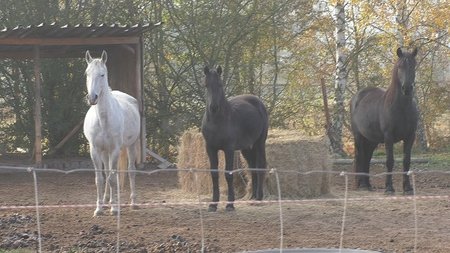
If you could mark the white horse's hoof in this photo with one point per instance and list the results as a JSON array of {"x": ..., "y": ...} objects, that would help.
[
  {"x": 98, "y": 212},
  {"x": 114, "y": 211}
]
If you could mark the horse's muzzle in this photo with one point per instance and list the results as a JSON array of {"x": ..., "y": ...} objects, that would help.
[
  {"x": 92, "y": 100},
  {"x": 407, "y": 89}
]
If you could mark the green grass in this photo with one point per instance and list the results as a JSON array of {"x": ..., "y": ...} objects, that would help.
[{"x": 439, "y": 160}]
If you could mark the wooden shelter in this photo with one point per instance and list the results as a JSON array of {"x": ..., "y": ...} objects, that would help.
[{"x": 124, "y": 45}]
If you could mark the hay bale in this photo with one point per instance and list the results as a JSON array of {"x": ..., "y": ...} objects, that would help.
[
  {"x": 292, "y": 154},
  {"x": 286, "y": 150},
  {"x": 192, "y": 155}
]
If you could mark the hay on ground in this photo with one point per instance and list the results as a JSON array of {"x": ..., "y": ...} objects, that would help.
[
  {"x": 192, "y": 155},
  {"x": 293, "y": 155},
  {"x": 289, "y": 153}
]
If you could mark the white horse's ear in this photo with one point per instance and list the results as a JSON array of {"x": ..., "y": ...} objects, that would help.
[
  {"x": 104, "y": 56},
  {"x": 88, "y": 57},
  {"x": 219, "y": 70}
]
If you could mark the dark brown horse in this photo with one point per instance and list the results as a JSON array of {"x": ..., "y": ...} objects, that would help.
[
  {"x": 240, "y": 123},
  {"x": 386, "y": 116}
]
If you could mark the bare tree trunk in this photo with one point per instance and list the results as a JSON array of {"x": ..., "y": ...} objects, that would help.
[
  {"x": 276, "y": 70},
  {"x": 340, "y": 82},
  {"x": 357, "y": 49}
]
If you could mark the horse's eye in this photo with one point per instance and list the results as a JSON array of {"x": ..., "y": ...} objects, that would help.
[{"x": 102, "y": 75}]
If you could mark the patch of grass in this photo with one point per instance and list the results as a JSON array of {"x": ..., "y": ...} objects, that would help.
[{"x": 439, "y": 160}]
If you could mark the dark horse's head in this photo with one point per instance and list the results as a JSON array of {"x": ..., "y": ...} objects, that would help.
[
  {"x": 406, "y": 70},
  {"x": 214, "y": 89}
]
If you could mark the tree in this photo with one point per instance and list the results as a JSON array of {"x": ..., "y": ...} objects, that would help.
[
  {"x": 199, "y": 33},
  {"x": 341, "y": 80},
  {"x": 279, "y": 50}
]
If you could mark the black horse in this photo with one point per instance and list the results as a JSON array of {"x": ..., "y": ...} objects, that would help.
[
  {"x": 386, "y": 116},
  {"x": 240, "y": 123}
]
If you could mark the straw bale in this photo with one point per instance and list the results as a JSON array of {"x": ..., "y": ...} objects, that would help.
[
  {"x": 192, "y": 155},
  {"x": 291, "y": 155},
  {"x": 288, "y": 152}
]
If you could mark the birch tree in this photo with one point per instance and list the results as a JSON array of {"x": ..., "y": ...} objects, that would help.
[{"x": 340, "y": 81}]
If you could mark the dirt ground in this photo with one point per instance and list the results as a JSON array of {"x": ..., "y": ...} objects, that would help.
[{"x": 172, "y": 221}]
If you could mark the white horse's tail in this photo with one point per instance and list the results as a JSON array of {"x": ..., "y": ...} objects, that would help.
[
  {"x": 122, "y": 167},
  {"x": 123, "y": 162},
  {"x": 138, "y": 154}
]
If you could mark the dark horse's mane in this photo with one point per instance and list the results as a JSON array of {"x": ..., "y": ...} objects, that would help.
[{"x": 393, "y": 89}]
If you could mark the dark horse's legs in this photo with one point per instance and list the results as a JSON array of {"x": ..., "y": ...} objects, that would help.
[
  {"x": 363, "y": 154},
  {"x": 229, "y": 159},
  {"x": 389, "y": 145},
  {"x": 407, "y": 146},
  {"x": 256, "y": 159},
  {"x": 214, "y": 163},
  {"x": 260, "y": 157},
  {"x": 249, "y": 156}
]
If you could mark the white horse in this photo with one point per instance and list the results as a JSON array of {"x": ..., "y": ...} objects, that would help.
[{"x": 112, "y": 123}]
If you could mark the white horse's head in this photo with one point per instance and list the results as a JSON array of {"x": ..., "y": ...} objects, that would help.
[{"x": 96, "y": 77}]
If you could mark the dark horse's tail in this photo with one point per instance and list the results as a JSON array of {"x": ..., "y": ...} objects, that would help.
[
  {"x": 265, "y": 117},
  {"x": 264, "y": 132}
]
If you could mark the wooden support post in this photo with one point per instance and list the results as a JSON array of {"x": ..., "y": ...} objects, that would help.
[
  {"x": 344, "y": 161},
  {"x": 164, "y": 164},
  {"x": 37, "y": 108},
  {"x": 140, "y": 96},
  {"x": 67, "y": 137}
]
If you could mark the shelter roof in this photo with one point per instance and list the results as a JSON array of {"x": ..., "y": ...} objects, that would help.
[{"x": 55, "y": 40}]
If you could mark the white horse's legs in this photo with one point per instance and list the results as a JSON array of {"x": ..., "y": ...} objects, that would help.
[
  {"x": 105, "y": 160},
  {"x": 106, "y": 195},
  {"x": 132, "y": 173},
  {"x": 112, "y": 179},
  {"x": 110, "y": 184},
  {"x": 99, "y": 180}
]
